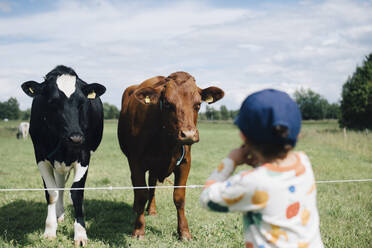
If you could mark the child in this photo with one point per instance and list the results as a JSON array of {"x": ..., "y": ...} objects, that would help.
[{"x": 278, "y": 196}]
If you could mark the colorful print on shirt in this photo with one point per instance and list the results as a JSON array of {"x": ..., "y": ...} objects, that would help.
[{"x": 278, "y": 203}]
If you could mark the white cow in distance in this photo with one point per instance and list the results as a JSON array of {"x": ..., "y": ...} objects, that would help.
[{"x": 23, "y": 130}]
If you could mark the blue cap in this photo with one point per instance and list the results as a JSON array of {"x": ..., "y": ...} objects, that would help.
[{"x": 262, "y": 111}]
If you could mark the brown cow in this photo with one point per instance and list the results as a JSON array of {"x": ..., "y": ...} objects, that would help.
[{"x": 157, "y": 127}]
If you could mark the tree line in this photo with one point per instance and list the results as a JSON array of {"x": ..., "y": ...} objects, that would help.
[
  {"x": 10, "y": 110},
  {"x": 214, "y": 114},
  {"x": 353, "y": 111},
  {"x": 312, "y": 105}
]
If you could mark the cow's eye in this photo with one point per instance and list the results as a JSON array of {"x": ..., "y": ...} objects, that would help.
[
  {"x": 168, "y": 105},
  {"x": 197, "y": 106}
]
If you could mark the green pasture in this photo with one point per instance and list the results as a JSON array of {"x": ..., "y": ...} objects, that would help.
[{"x": 345, "y": 208}]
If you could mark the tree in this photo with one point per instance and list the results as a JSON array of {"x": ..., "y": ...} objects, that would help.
[
  {"x": 312, "y": 105},
  {"x": 9, "y": 109},
  {"x": 25, "y": 115},
  {"x": 224, "y": 113},
  {"x": 233, "y": 114},
  {"x": 356, "y": 103},
  {"x": 110, "y": 111},
  {"x": 212, "y": 114},
  {"x": 333, "y": 111},
  {"x": 216, "y": 114},
  {"x": 209, "y": 112},
  {"x": 202, "y": 116}
]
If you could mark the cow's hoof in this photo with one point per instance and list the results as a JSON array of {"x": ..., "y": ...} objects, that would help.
[
  {"x": 82, "y": 242},
  {"x": 61, "y": 218},
  {"x": 139, "y": 237},
  {"x": 152, "y": 212},
  {"x": 50, "y": 236},
  {"x": 138, "y": 234},
  {"x": 185, "y": 236},
  {"x": 50, "y": 231},
  {"x": 80, "y": 237}
]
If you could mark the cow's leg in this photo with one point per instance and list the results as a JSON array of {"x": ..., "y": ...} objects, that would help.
[
  {"x": 77, "y": 196},
  {"x": 140, "y": 199},
  {"x": 60, "y": 181},
  {"x": 181, "y": 173},
  {"x": 151, "y": 206},
  {"x": 47, "y": 174}
]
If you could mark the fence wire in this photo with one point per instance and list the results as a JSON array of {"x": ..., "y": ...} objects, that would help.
[{"x": 110, "y": 188}]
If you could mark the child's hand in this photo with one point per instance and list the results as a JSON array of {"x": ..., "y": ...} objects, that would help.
[{"x": 241, "y": 155}]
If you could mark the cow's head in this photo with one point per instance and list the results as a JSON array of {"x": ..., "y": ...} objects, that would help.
[
  {"x": 179, "y": 99},
  {"x": 63, "y": 96}
]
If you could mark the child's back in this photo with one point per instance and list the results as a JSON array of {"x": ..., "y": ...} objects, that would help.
[{"x": 277, "y": 198}]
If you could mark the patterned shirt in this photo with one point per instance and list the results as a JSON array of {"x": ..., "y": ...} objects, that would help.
[{"x": 278, "y": 203}]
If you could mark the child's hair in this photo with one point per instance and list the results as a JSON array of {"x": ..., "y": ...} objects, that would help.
[{"x": 272, "y": 151}]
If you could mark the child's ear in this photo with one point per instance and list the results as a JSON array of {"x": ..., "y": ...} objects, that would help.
[{"x": 243, "y": 137}]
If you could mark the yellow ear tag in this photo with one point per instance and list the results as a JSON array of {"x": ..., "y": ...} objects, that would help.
[
  {"x": 31, "y": 90},
  {"x": 92, "y": 95},
  {"x": 147, "y": 100},
  {"x": 209, "y": 99}
]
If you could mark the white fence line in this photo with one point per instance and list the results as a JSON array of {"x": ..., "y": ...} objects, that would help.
[
  {"x": 345, "y": 181},
  {"x": 159, "y": 187}
]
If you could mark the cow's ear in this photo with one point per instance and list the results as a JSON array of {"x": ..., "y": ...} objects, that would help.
[
  {"x": 92, "y": 91},
  {"x": 211, "y": 94},
  {"x": 147, "y": 95},
  {"x": 32, "y": 88}
]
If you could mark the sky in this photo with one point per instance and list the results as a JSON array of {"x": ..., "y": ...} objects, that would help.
[{"x": 239, "y": 46}]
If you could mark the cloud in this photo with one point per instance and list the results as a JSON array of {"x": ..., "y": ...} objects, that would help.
[
  {"x": 5, "y": 6},
  {"x": 240, "y": 49}
]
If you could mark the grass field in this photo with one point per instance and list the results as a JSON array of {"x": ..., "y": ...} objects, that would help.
[{"x": 345, "y": 209}]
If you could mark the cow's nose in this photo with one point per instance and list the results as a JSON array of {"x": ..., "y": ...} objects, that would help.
[
  {"x": 76, "y": 139},
  {"x": 188, "y": 136}
]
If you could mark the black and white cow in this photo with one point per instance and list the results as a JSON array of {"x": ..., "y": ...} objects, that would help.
[{"x": 66, "y": 126}]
